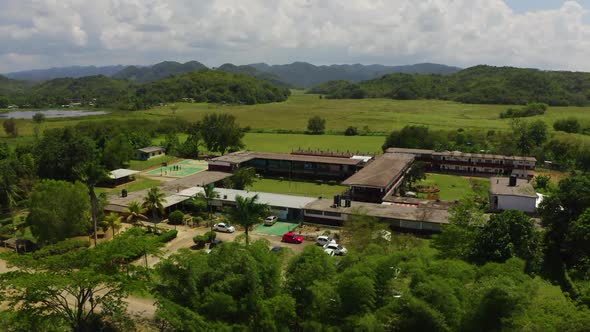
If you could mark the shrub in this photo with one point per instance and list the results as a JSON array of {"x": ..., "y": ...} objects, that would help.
[
  {"x": 541, "y": 181},
  {"x": 176, "y": 218},
  {"x": 569, "y": 125},
  {"x": 351, "y": 131},
  {"x": 200, "y": 241},
  {"x": 168, "y": 236},
  {"x": 210, "y": 236}
]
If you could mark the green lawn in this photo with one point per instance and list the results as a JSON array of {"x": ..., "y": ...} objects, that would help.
[
  {"x": 455, "y": 187},
  {"x": 140, "y": 183},
  {"x": 290, "y": 142},
  {"x": 311, "y": 189},
  {"x": 140, "y": 165}
]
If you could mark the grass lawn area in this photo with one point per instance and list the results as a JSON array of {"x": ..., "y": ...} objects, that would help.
[
  {"x": 140, "y": 183},
  {"x": 289, "y": 142},
  {"x": 311, "y": 189},
  {"x": 140, "y": 165},
  {"x": 454, "y": 187}
]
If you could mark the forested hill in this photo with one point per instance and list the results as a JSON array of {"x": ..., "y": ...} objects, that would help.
[
  {"x": 303, "y": 74},
  {"x": 158, "y": 71},
  {"x": 479, "y": 85},
  {"x": 105, "y": 92},
  {"x": 73, "y": 72},
  {"x": 249, "y": 70},
  {"x": 11, "y": 87}
]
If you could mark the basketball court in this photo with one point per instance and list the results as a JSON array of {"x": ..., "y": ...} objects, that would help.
[{"x": 180, "y": 169}]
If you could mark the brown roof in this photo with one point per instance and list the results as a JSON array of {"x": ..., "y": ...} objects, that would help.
[
  {"x": 523, "y": 188},
  {"x": 200, "y": 179},
  {"x": 243, "y": 156},
  {"x": 480, "y": 155},
  {"x": 381, "y": 172},
  {"x": 439, "y": 216},
  {"x": 150, "y": 149}
]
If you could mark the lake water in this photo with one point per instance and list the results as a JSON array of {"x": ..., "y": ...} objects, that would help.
[{"x": 50, "y": 114}]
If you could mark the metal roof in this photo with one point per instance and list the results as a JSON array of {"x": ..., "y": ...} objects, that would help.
[
  {"x": 279, "y": 200},
  {"x": 381, "y": 172},
  {"x": 121, "y": 173},
  {"x": 523, "y": 188},
  {"x": 150, "y": 149},
  {"x": 243, "y": 156}
]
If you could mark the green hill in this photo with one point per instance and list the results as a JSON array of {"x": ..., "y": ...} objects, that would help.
[
  {"x": 477, "y": 85},
  {"x": 249, "y": 70},
  {"x": 158, "y": 71},
  {"x": 105, "y": 92}
]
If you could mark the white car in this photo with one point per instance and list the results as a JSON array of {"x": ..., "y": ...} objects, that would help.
[
  {"x": 323, "y": 240},
  {"x": 338, "y": 249},
  {"x": 223, "y": 227},
  {"x": 330, "y": 252},
  {"x": 270, "y": 220}
]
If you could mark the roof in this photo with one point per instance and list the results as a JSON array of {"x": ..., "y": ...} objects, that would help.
[
  {"x": 243, "y": 156},
  {"x": 411, "y": 151},
  {"x": 198, "y": 179},
  {"x": 150, "y": 149},
  {"x": 482, "y": 155},
  {"x": 523, "y": 188},
  {"x": 229, "y": 195},
  {"x": 121, "y": 173},
  {"x": 381, "y": 172},
  {"x": 439, "y": 216}
]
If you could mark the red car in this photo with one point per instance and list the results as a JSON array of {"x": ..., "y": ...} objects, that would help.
[{"x": 291, "y": 237}]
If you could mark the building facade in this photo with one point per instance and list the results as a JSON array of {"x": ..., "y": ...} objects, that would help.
[
  {"x": 149, "y": 153},
  {"x": 512, "y": 194}
]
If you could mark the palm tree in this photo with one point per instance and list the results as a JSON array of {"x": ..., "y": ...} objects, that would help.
[
  {"x": 135, "y": 212},
  {"x": 92, "y": 173},
  {"x": 248, "y": 212},
  {"x": 209, "y": 194},
  {"x": 154, "y": 202},
  {"x": 113, "y": 221}
]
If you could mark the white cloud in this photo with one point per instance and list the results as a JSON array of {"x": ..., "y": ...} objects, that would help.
[{"x": 460, "y": 32}]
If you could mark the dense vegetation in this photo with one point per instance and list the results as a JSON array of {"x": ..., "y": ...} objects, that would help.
[
  {"x": 251, "y": 71},
  {"x": 476, "y": 85},
  {"x": 158, "y": 71},
  {"x": 531, "y": 109},
  {"x": 104, "y": 92}
]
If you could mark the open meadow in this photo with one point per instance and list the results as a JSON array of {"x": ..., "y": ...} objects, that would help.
[{"x": 289, "y": 119}]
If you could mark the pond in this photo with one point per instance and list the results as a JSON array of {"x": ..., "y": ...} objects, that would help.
[{"x": 50, "y": 114}]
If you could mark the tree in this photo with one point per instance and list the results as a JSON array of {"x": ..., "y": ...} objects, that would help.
[
  {"x": 537, "y": 131},
  {"x": 542, "y": 181},
  {"x": 117, "y": 152},
  {"x": 520, "y": 133},
  {"x": 10, "y": 127},
  {"x": 38, "y": 119},
  {"x": 135, "y": 212},
  {"x": 416, "y": 173},
  {"x": 57, "y": 212},
  {"x": 414, "y": 137},
  {"x": 351, "y": 131},
  {"x": 209, "y": 193},
  {"x": 92, "y": 173},
  {"x": 69, "y": 284},
  {"x": 4, "y": 102},
  {"x": 506, "y": 235},
  {"x": 316, "y": 125},
  {"x": 154, "y": 202},
  {"x": 176, "y": 217},
  {"x": 171, "y": 144},
  {"x": 221, "y": 132},
  {"x": 577, "y": 246},
  {"x": 247, "y": 213},
  {"x": 113, "y": 221},
  {"x": 243, "y": 178},
  {"x": 458, "y": 237}
]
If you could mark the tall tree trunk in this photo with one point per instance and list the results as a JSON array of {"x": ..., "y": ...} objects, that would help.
[
  {"x": 247, "y": 237},
  {"x": 94, "y": 212}
]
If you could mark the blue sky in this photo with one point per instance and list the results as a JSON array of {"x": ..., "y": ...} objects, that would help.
[{"x": 547, "y": 34}]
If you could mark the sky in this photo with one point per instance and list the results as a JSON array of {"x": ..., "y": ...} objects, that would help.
[{"x": 546, "y": 34}]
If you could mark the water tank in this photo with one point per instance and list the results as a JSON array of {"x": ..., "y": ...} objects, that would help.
[{"x": 512, "y": 181}]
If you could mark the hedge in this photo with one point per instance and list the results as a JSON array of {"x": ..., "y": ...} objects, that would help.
[{"x": 168, "y": 236}]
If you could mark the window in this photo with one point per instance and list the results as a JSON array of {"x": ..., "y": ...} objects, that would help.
[
  {"x": 332, "y": 214},
  {"x": 314, "y": 212}
]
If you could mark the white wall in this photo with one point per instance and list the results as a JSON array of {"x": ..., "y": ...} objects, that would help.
[{"x": 526, "y": 204}]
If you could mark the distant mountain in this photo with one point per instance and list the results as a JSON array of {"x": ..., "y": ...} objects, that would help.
[
  {"x": 475, "y": 85},
  {"x": 73, "y": 72},
  {"x": 10, "y": 87},
  {"x": 249, "y": 70},
  {"x": 158, "y": 71},
  {"x": 303, "y": 74}
]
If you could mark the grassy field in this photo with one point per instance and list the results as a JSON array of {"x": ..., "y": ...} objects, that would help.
[
  {"x": 310, "y": 189},
  {"x": 290, "y": 142},
  {"x": 140, "y": 183},
  {"x": 380, "y": 115},
  {"x": 140, "y": 165},
  {"x": 454, "y": 187}
]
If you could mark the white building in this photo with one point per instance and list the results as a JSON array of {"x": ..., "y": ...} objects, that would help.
[{"x": 512, "y": 194}]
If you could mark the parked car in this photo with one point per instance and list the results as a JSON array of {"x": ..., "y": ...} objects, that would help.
[
  {"x": 322, "y": 240},
  {"x": 330, "y": 252},
  {"x": 338, "y": 249},
  {"x": 223, "y": 227},
  {"x": 291, "y": 237},
  {"x": 270, "y": 220}
]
